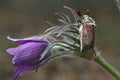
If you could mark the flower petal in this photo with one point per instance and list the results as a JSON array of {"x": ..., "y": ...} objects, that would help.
[
  {"x": 29, "y": 39},
  {"x": 28, "y": 53},
  {"x": 12, "y": 51},
  {"x": 21, "y": 69}
]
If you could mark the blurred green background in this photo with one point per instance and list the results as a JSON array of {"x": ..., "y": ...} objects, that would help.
[{"x": 24, "y": 18}]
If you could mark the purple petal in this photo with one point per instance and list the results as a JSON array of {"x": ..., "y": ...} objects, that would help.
[
  {"x": 28, "y": 53},
  {"x": 21, "y": 69},
  {"x": 29, "y": 39},
  {"x": 12, "y": 51}
]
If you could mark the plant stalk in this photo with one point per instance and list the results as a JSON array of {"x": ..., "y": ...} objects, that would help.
[
  {"x": 107, "y": 67},
  {"x": 100, "y": 60}
]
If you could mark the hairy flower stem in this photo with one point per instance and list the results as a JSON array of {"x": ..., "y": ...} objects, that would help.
[
  {"x": 107, "y": 67},
  {"x": 100, "y": 60}
]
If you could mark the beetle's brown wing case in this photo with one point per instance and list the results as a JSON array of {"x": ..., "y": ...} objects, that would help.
[{"x": 87, "y": 36}]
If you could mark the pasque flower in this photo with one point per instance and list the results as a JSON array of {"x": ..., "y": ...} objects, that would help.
[
  {"x": 35, "y": 51},
  {"x": 68, "y": 38},
  {"x": 27, "y": 55}
]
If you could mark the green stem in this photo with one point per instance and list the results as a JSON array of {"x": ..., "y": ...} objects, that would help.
[
  {"x": 107, "y": 67},
  {"x": 99, "y": 59}
]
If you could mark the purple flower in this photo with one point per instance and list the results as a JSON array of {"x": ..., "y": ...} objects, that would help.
[{"x": 27, "y": 55}]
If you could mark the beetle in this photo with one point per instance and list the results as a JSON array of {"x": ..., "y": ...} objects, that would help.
[{"x": 87, "y": 30}]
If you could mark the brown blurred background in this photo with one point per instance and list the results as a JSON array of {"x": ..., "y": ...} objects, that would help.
[{"x": 24, "y": 18}]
